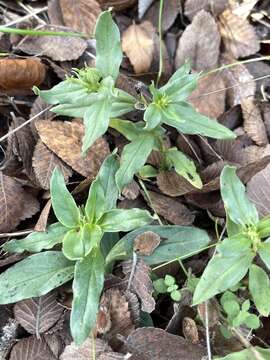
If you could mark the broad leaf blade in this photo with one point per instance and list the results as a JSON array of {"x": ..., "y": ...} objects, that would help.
[
  {"x": 129, "y": 129},
  {"x": 64, "y": 92},
  {"x": 238, "y": 207},
  {"x": 63, "y": 203},
  {"x": 259, "y": 287},
  {"x": 35, "y": 276},
  {"x": 108, "y": 46},
  {"x": 124, "y": 220},
  {"x": 152, "y": 116},
  {"x": 37, "y": 241},
  {"x": 264, "y": 252},
  {"x": 87, "y": 288},
  {"x": 95, "y": 205}
]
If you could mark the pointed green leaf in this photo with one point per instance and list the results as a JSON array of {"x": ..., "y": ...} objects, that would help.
[
  {"x": 63, "y": 203},
  {"x": 240, "y": 210},
  {"x": 152, "y": 116},
  {"x": 122, "y": 103},
  {"x": 264, "y": 252},
  {"x": 95, "y": 205},
  {"x": 37, "y": 241},
  {"x": 187, "y": 120},
  {"x": 259, "y": 287},
  {"x": 124, "y": 220},
  {"x": 184, "y": 167},
  {"x": 148, "y": 171},
  {"x": 35, "y": 276},
  {"x": 133, "y": 158},
  {"x": 87, "y": 287},
  {"x": 129, "y": 129},
  {"x": 108, "y": 46},
  {"x": 65, "y": 92},
  {"x": 263, "y": 227}
]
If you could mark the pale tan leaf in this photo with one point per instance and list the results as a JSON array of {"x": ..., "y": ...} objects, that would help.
[
  {"x": 44, "y": 162},
  {"x": 199, "y": 43},
  {"x": 146, "y": 243},
  {"x": 32, "y": 348},
  {"x": 138, "y": 44},
  {"x": 80, "y": 15},
  {"x": 192, "y": 7},
  {"x": 84, "y": 351},
  {"x": 38, "y": 315},
  {"x": 238, "y": 35},
  {"x": 244, "y": 8},
  {"x": 65, "y": 140}
]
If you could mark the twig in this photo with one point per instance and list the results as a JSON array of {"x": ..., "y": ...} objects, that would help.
[
  {"x": 150, "y": 201},
  {"x": 134, "y": 264},
  {"x": 246, "y": 343},
  {"x": 24, "y": 124},
  {"x": 160, "y": 41},
  {"x": 31, "y": 13},
  {"x": 208, "y": 344},
  {"x": 18, "y": 233}
]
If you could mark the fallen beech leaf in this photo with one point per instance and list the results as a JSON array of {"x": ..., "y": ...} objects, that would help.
[
  {"x": 199, "y": 43},
  {"x": 172, "y": 184},
  {"x": 171, "y": 209},
  {"x": 153, "y": 343},
  {"x": 171, "y": 9},
  {"x": 131, "y": 191},
  {"x": 30, "y": 206},
  {"x": 143, "y": 6},
  {"x": 65, "y": 140},
  {"x": 84, "y": 351},
  {"x": 80, "y": 15},
  {"x": 146, "y": 243},
  {"x": 192, "y": 7},
  {"x": 141, "y": 283},
  {"x": 207, "y": 99},
  {"x": 32, "y": 348},
  {"x": 42, "y": 222},
  {"x": 117, "y": 5},
  {"x": 38, "y": 315},
  {"x": 55, "y": 13},
  {"x": 238, "y": 35},
  {"x": 58, "y": 48},
  {"x": 44, "y": 162},
  {"x": 138, "y": 44},
  {"x": 21, "y": 73},
  {"x": 39, "y": 105}
]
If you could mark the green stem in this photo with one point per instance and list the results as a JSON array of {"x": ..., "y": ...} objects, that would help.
[
  {"x": 160, "y": 40},
  {"x": 31, "y": 32}
]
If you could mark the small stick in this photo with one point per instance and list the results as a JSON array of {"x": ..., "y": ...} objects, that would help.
[{"x": 28, "y": 16}]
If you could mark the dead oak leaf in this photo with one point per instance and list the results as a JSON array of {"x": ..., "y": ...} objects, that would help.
[
  {"x": 80, "y": 15},
  {"x": 138, "y": 44},
  {"x": 199, "y": 43},
  {"x": 65, "y": 140}
]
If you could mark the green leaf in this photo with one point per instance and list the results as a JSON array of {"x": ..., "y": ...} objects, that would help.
[
  {"x": 152, "y": 116},
  {"x": 95, "y": 205},
  {"x": 108, "y": 46},
  {"x": 259, "y": 287},
  {"x": 78, "y": 243},
  {"x": 231, "y": 307},
  {"x": 252, "y": 321},
  {"x": 129, "y": 129},
  {"x": 176, "y": 295},
  {"x": 240, "y": 210},
  {"x": 236, "y": 244},
  {"x": 37, "y": 241},
  {"x": 179, "y": 242},
  {"x": 169, "y": 280},
  {"x": 133, "y": 158},
  {"x": 63, "y": 203},
  {"x": 223, "y": 271},
  {"x": 35, "y": 276},
  {"x": 124, "y": 220},
  {"x": 232, "y": 228},
  {"x": 188, "y": 121},
  {"x": 263, "y": 227},
  {"x": 160, "y": 286},
  {"x": 248, "y": 354},
  {"x": 107, "y": 242},
  {"x": 148, "y": 171},
  {"x": 122, "y": 103},
  {"x": 264, "y": 252},
  {"x": 184, "y": 167},
  {"x": 87, "y": 287}
]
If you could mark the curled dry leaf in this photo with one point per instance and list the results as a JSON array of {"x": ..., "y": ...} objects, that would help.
[
  {"x": 44, "y": 162},
  {"x": 80, "y": 15},
  {"x": 192, "y": 7},
  {"x": 146, "y": 243},
  {"x": 238, "y": 35},
  {"x": 213, "y": 313},
  {"x": 199, "y": 43},
  {"x": 117, "y": 5},
  {"x": 171, "y": 209},
  {"x": 190, "y": 330},
  {"x": 141, "y": 283},
  {"x": 21, "y": 73},
  {"x": 85, "y": 351},
  {"x": 65, "y": 140},
  {"x": 153, "y": 343},
  {"x": 138, "y": 44},
  {"x": 58, "y": 48},
  {"x": 38, "y": 315}
]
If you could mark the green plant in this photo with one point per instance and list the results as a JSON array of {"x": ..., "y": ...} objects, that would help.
[
  {"x": 167, "y": 285},
  {"x": 236, "y": 255},
  {"x": 91, "y": 94}
]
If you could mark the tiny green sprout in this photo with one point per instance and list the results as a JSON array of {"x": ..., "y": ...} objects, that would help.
[
  {"x": 236, "y": 254},
  {"x": 168, "y": 285}
]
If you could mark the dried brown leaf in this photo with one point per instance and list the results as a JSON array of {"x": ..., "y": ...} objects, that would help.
[
  {"x": 58, "y": 48},
  {"x": 65, "y": 140},
  {"x": 41, "y": 224},
  {"x": 154, "y": 343},
  {"x": 30, "y": 206},
  {"x": 143, "y": 6},
  {"x": 84, "y": 351},
  {"x": 171, "y": 9},
  {"x": 131, "y": 191},
  {"x": 192, "y": 7},
  {"x": 44, "y": 162},
  {"x": 213, "y": 313},
  {"x": 146, "y": 243},
  {"x": 207, "y": 99},
  {"x": 199, "y": 43},
  {"x": 238, "y": 35},
  {"x": 55, "y": 13},
  {"x": 80, "y": 15},
  {"x": 141, "y": 283},
  {"x": 138, "y": 44},
  {"x": 172, "y": 184},
  {"x": 32, "y": 348},
  {"x": 190, "y": 330},
  {"x": 21, "y": 73},
  {"x": 117, "y": 4},
  {"x": 38, "y": 315},
  {"x": 171, "y": 209},
  {"x": 39, "y": 105}
]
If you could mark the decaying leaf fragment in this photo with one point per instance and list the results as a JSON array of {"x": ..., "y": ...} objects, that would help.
[
  {"x": 192, "y": 7},
  {"x": 146, "y": 243},
  {"x": 85, "y": 351},
  {"x": 21, "y": 73},
  {"x": 138, "y": 44},
  {"x": 117, "y": 5}
]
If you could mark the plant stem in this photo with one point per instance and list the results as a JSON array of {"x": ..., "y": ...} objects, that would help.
[
  {"x": 161, "y": 2},
  {"x": 32, "y": 32},
  {"x": 149, "y": 200}
]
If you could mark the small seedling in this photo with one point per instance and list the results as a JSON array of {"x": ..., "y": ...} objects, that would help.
[
  {"x": 248, "y": 237},
  {"x": 167, "y": 285}
]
